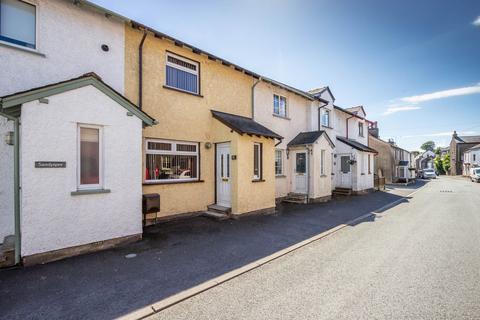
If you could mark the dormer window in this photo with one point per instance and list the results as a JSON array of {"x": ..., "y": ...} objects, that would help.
[
  {"x": 360, "y": 129},
  {"x": 18, "y": 23}
]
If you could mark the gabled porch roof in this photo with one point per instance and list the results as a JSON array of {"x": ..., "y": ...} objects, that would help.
[
  {"x": 244, "y": 125},
  {"x": 356, "y": 145},
  {"x": 304, "y": 138}
]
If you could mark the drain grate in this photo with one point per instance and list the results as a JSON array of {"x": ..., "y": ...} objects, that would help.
[{"x": 446, "y": 191}]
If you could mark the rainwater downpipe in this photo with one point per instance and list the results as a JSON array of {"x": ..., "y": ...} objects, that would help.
[
  {"x": 253, "y": 97},
  {"x": 320, "y": 115},
  {"x": 16, "y": 181},
  {"x": 308, "y": 174},
  {"x": 140, "y": 70},
  {"x": 347, "y": 124}
]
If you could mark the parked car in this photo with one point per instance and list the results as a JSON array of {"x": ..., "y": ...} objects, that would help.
[
  {"x": 428, "y": 174},
  {"x": 475, "y": 174}
]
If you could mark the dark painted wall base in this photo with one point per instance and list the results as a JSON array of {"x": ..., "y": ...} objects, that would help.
[{"x": 55, "y": 255}]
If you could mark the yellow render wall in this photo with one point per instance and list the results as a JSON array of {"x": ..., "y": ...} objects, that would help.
[{"x": 187, "y": 117}]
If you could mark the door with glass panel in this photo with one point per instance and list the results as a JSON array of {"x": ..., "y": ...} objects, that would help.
[
  {"x": 300, "y": 167},
  {"x": 223, "y": 174},
  {"x": 344, "y": 172}
]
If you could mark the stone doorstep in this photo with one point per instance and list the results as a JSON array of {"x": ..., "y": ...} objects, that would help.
[{"x": 215, "y": 215}]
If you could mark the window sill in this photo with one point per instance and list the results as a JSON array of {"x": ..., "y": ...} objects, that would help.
[
  {"x": 92, "y": 191},
  {"x": 280, "y": 176},
  {"x": 327, "y": 127},
  {"x": 21, "y": 48},
  {"x": 258, "y": 180},
  {"x": 281, "y": 117},
  {"x": 172, "y": 182},
  {"x": 182, "y": 91}
]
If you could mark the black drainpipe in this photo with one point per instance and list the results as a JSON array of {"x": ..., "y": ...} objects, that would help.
[{"x": 140, "y": 70}]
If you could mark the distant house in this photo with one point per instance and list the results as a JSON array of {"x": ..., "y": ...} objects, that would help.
[
  {"x": 458, "y": 146},
  {"x": 425, "y": 160},
  {"x": 471, "y": 159},
  {"x": 392, "y": 162}
]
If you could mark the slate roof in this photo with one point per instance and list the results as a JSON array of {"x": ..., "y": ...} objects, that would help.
[
  {"x": 310, "y": 137},
  {"x": 91, "y": 78},
  {"x": 356, "y": 145},
  {"x": 244, "y": 125},
  {"x": 469, "y": 139}
]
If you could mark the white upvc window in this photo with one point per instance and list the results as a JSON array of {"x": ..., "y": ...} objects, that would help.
[
  {"x": 18, "y": 23},
  {"x": 182, "y": 73},
  {"x": 322, "y": 162},
  {"x": 278, "y": 162},
  {"x": 257, "y": 161},
  {"x": 171, "y": 161},
  {"x": 369, "y": 163},
  {"x": 90, "y": 157},
  {"x": 360, "y": 129},
  {"x": 326, "y": 118},
  {"x": 279, "y": 105}
]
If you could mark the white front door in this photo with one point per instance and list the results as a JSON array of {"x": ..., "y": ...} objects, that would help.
[
  {"x": 223, "y": 175},
  {"x": 344, "y": 171},
  {"x": 300, "y": 176}
]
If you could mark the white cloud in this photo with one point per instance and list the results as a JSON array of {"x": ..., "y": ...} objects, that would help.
[
  {"x": 442, "y": 94},
  {"x": 393, "y": 109},
  {"x": 476, "y": 22},
  {"x": 439, "y": 134}
]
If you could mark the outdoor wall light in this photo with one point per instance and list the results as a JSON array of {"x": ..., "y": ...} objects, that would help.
[
  {"x": 9, "y": 138},
  {"x": 208, "y": 145}
]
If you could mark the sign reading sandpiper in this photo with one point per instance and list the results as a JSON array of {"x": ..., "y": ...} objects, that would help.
[{"x": 50, "y": 164}]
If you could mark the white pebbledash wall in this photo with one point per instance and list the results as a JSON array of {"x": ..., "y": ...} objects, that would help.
[
  {"x": 69, "y": 40},
  {"x": 6, "y": 181},
  {"x": 51, "y": 217}
]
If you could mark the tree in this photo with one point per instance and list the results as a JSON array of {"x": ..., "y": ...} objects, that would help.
[
  {"x": 438, "y": 150},
  {"x": 428, "y": 146},
  {"x": 446, "y": 163},
  {"x": 438, "y": 163}
]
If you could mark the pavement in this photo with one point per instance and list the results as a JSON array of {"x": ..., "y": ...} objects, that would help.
[
  {"x": 417, "y": 260},
  {"x": 172, "y": 258}
]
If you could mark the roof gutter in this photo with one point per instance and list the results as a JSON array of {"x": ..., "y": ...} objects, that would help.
[{"x": 16, "y": 180}]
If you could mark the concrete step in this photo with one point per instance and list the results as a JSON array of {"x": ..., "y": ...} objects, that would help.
[
  {"x": 216, "y": 215},
  {"x": 342, "y": 191},
  {"x": 296, "y": 198},
  {"x": 219, "y": 209}
]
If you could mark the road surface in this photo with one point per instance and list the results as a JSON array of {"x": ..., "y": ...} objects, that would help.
[{"x": 417, "y": 260}]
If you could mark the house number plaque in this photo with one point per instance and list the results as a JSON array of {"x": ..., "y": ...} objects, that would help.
[{"x": 50, "y": 164}]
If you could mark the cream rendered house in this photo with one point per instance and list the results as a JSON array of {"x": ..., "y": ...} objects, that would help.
[{"x": 303, "y": 160}]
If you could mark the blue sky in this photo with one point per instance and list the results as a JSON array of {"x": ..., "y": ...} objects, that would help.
[{"x": 414, "y": 65}]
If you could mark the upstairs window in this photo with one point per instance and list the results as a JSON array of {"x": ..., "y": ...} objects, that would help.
[
  {"x": 360, "y": 129},
  {"x": 170, "y": 161},
  {"x": 326, "y": 118},
  {"x": 17, "y": 23},
  {"x": 279, "y": 105},
  {"x": 182, "y": 74}
]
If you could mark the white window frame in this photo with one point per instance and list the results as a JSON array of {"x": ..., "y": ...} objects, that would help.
[
  {"x": 281, "y": 162},
  {"x": 322, "y": 162},
  {"x": 369, "y": 163},
  {"x": 176, "y": 66},
  {"x": 280, "y": 97},
  {"x": 361, "y": 131},
  {"x": 172, "y": 152},
  {"x": 325, "y": 112},
  {"x": 259, "y": 175},
  {"x": 14, "y": 45},
  {"x": 100, "y": 185}
]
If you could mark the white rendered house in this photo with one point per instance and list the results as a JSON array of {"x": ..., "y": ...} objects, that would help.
[
  {"x": 79, "y": 185},
  {"x": 471, "y": 159}
]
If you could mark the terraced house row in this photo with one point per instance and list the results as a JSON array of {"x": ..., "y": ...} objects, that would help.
[{"x": 99, "y": 110}]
